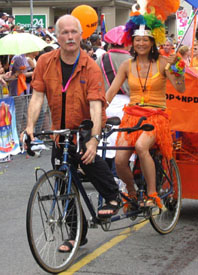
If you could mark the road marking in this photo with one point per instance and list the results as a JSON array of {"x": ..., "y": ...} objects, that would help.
[{"x": 102, "y": 249}]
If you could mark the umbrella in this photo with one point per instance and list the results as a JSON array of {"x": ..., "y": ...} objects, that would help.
[{"x": 21, "y": 43}]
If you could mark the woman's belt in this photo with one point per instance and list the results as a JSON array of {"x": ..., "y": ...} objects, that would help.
[{"x": 139, "y": 111}]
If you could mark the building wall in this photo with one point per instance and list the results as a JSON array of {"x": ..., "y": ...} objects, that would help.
[{"x": 116, "y": 12}]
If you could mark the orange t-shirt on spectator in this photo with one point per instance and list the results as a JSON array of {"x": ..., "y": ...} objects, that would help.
[{"x": 162, "y": 52}]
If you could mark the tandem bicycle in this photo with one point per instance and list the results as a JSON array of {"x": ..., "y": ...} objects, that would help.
[{"x": 54, "y": 208}]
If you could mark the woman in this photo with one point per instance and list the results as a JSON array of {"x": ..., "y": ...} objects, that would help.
[
  {"x": 185, "y": 53},
  {"x": 146, "y": 73}
]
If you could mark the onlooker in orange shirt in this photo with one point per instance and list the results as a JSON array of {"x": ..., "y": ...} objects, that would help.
[
  {"x": 168, "y": 48},
  {"x": 195, "y": 55}
]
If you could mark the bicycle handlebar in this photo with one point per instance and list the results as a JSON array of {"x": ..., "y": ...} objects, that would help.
[{"x": 85, "y": 125}]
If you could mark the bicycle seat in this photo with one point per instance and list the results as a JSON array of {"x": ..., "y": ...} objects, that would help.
[{"x": 114, "y": 120}]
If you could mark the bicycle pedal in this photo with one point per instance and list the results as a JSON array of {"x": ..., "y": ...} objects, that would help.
[{"x": 92, "y": 224}]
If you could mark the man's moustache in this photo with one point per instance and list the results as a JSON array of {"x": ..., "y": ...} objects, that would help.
[{"x": 70, "y": 41}]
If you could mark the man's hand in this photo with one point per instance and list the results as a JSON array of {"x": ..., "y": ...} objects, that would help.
[{"x": 90, "y": 153}]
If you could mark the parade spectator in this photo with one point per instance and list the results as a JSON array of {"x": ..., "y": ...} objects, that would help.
[
  {"x": 31, "y": 58},
  {"x": 88, "y": 49},
  {"x": 19, "y": 67},
  {"x": 185, "y": 53},
  {"x": 39, "y": 31},
  {"x": 109, "y": 64},
  {"x": 3, "y": 18},
  {"x": 96, "y": 44},
  {"x": 47, "y": 39},
  {"x": 195, "y": 55},
  {"x": 168, "y": 48},
  {"x": 10, "y": 21},
  {"x": 51, "y": 30}
]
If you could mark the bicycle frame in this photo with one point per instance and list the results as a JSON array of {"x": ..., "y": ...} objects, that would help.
[{"x": 71, "y": 172}]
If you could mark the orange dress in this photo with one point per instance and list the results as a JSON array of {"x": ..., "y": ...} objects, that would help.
[{"x": 152, "y": 104}]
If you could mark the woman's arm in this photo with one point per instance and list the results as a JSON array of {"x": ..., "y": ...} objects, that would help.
[
  {"x": 178, "y": 82},
  {"x": 121, "y": 76}
]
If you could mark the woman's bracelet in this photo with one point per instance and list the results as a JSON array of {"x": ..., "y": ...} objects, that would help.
[
  {"x": 178, "y": 69},
  {"x": 180, "y": 82},
  {"x": 107, "y": 102}
]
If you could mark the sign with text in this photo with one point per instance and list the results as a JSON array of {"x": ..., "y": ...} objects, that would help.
[
  {"x": 25, "y": 21},
  {"x": 184, "y": 106}
]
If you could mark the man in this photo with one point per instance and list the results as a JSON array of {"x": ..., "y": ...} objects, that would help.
[
  {"x": 195, "y": 55},
  {"x": 10, "y": 21},
  {"x": 168, "y": 48},
  {"x": 74, "y": 87},
  {"x": 97, "y": 45},
  {"x": 51, "y": 29},
  {"x": 3, "y": 18},
  {"x": 39, "y": 31}
]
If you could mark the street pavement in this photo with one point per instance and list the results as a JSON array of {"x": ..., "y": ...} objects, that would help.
[{"x": 140, "y": 250}]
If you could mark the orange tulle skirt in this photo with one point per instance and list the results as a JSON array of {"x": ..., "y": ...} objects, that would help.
[{"x": 157, "y": 117}]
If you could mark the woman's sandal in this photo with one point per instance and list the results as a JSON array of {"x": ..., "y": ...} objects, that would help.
[
  {"x": 68, "y": 243},
  {"x": 128, "y": 206},
  {"x": 111, "y": 207},
  {"x": 152, "y": 200}
]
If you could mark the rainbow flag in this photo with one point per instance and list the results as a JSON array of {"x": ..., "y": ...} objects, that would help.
[{"x": 103, "y": 26}]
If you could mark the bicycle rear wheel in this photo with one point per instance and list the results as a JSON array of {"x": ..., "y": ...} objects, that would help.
[
  {"x": 46, "y": 229},
  {"x": 169, "y": 189}
]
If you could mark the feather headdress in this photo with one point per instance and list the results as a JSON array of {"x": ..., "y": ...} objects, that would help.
[{"x": 151, "y": 23}]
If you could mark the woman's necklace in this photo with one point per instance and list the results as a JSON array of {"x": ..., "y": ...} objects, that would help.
[{"x": 143, "y": 87}]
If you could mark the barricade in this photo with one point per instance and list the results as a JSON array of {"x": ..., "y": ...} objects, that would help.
[{"x": 21, "y": 106}]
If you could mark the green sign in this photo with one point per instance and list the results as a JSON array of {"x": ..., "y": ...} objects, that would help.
[{"x": 25, "y": 21}]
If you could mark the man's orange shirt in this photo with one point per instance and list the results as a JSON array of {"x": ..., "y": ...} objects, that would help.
[{"x": 86, "y": 85}]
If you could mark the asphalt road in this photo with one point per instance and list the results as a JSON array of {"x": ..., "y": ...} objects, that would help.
[{"x": 139, "y": 250}]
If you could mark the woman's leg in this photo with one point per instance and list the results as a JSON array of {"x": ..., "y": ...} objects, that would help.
[
  {"x": 122, "y": 167},
  {"x": 142, "y": 146}
]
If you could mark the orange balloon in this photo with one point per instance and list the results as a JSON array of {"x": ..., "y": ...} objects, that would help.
[{"x": 88, "y": 19}]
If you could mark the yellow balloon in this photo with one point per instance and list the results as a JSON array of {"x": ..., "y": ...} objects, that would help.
[{"x": 88, "y": 19}]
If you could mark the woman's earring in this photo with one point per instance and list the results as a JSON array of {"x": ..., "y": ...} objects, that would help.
[{"x": 152, "y": 50}]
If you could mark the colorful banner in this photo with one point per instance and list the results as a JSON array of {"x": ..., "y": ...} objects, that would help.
[
  {"x": 9, "y": 142},
  {"x": 188, "y": 39},
  {"x": 182, "y": 20},
  {"x": 184, "y": 106}
]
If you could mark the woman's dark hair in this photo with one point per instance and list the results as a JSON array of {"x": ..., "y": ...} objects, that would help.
[
  {"x": 117, "y": 46},
  {"x": 153, "y": 54}
]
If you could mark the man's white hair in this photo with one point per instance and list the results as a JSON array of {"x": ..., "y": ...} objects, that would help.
[{"x": 65, "y": 17}]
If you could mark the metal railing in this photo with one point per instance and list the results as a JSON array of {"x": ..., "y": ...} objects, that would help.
[{"x": 21, "y": 106}]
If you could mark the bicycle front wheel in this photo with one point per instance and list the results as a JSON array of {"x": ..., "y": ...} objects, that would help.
[
  {"x": 53, "y": 215},
  {"x": 169, "y": 189}
]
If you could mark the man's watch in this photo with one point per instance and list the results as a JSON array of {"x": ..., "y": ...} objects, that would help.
[{"x": 97, "y": 137}]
